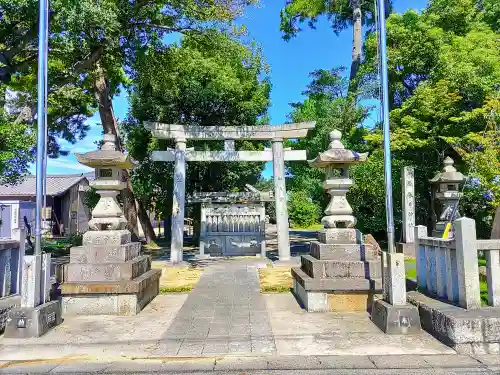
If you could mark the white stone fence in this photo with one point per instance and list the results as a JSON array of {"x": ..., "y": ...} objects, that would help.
[
  {"x": 11, "y": 263},
  {"x": 448, "y": 268}
]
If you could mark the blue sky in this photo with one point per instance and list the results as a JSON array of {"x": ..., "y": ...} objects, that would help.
[{"x": 290, "y": 64}]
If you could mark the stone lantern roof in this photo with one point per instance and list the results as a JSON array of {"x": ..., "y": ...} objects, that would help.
[
  {"x": 337, "y": 154},
  {"x": 449, "y": 174},
  {"x": 107, "y": 156}
]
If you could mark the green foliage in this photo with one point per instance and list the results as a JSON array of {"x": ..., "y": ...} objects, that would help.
[
  {"x": 209, "y": 79},
  {"x": 339, "y": 13},
  {"x": 15, "y": 149},
  {"x": 303, "y": 212},
  {"x": 91, "y": 198},
  {"x": 327, "y": 104},
  {"x": 76, "y": 239},
  {"x": 491, "y": 13},
  {"x": 444, "y": 72},
  {"x": 89, "y": 41}
]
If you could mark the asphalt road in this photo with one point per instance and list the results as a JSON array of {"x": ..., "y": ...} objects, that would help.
[
  {"x": 267, "y": 365},
  {"x": 427, "y": 371}
]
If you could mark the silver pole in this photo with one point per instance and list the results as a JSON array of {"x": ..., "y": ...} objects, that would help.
[
  {"x": 46, "y": 72},
  {"x": 385, "y": 112},
  {"x": 41, "y": 140}
]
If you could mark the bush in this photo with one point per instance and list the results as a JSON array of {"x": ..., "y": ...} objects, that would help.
[
  {"x": 303, "y": 212},
  {"x": 76, "y": 239}
]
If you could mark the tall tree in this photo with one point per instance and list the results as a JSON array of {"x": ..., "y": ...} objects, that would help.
[
  {"x": 93, "y": 43},
  {"x": 341, "y": 14},
  {"x": 209, "y": 79},
  {"x": 444, "y": 71},
  {"x": 328, "y": 103}
]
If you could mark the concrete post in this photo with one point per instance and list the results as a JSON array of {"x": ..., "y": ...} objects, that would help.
[
  {"x": 21, "y": 254},
  {"x": 397, "y": 279},
  {"x": 45, "y": 276},
  {"x": 32, "y": 266},
  {"x": 467, "y": 268},
  {"x": 262, "y": 228},
  {"x": 408, "y": 190},
  {"x": 493, "y": 275},
  {"x": 5, "y": 272},
  {"x": 177, "y": 244},
  {"x": 203, "y": 228},
  {"x": 441, "y": 280},
  {"x": 420, "y": 232},
  {"x": 280, "y": 198}
]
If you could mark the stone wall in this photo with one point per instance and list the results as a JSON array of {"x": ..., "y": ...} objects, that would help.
[{"x": 6, "y": 304}]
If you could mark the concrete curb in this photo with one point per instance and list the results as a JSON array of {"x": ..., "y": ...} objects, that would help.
[{"x": 248, "y": 363}]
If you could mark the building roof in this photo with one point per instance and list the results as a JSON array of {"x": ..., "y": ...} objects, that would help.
[{"x": 56, "y": 185}]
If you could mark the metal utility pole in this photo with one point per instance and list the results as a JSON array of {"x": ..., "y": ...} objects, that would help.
[
  {"x": 46, "y": 72},
  {"x": 384, "y": 80},
  {"x": 41, "y": 148}
]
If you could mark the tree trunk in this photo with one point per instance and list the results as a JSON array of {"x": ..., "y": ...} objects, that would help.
[
  {"x": 357, "y": 39},
  {"x": 108, "y": 120},
  {"x": 495, "y": 229}
]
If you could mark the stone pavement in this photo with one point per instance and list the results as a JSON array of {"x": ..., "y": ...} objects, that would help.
[
  {"x": 408, "y": 364},
  {"x": 224, "y": 315}
]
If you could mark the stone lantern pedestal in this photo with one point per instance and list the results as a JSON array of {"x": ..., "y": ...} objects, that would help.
[
  {"x": 341, "y": 273},
  {"x": 108, "y": 274}
]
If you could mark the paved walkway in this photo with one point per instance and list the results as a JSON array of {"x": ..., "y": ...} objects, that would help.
[{"x": 225, "y": 313}]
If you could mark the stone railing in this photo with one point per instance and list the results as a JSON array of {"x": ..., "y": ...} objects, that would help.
[
  {"x": 11, "y": 256},
  {"x": 448, "y": 268}
]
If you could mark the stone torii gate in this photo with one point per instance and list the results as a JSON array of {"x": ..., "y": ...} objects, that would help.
[{"x": 274, "y": 133}]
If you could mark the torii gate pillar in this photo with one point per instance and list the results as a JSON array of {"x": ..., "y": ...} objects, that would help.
[
  {"x": 177, "y": 242},
  {"x": 282, "y": 226},
  {"x": 276, "y": 134}
]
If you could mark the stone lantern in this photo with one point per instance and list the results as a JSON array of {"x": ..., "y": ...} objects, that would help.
[
  {"x": 446, "y": 187},
  {"x": 108, "y": 164},
  {"x": 336, "y": 162},
  {"x": 341, "y": 273},
  {"x": 108, "y": 274}
]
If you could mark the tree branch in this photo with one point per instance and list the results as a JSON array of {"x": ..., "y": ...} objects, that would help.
[
  {"x": 19, "y": 44},
  {"x": 167, "y": 28},
  {"x": 91, "y": 58}
]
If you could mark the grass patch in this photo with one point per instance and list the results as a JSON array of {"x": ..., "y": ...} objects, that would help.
[
  {"x": 177, "y": 279},
  {"x": 411, "y": 274},
  {"x": 314, "y": 227},
  {"x": 275, "y": 280},
  {"x": 178, "y": 289},
  {"x": 483, "y": 287}
]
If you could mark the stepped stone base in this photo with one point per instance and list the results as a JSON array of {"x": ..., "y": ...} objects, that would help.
[
  {"x": 346, "y": 252},
  {"x": 340, "y": 269},
  {"x": 340, "y": 236},
  {"x": 127, "y": 297},
  {"x": 105, "y": 253},
  {"x": 341, "y": 294},
  {"x": 109, "y": 271},
  {"x": 333, "y": 301}
]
